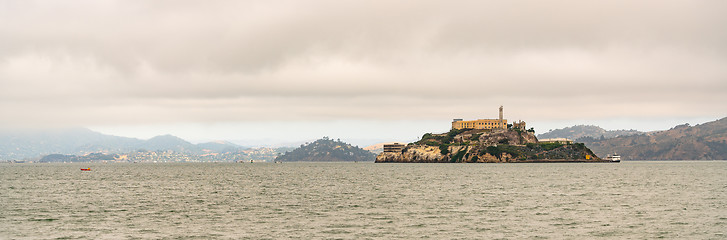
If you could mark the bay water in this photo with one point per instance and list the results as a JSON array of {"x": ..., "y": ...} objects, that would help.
[{"x": 627, "y": 200}]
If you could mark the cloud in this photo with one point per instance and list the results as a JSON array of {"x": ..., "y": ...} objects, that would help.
[{"x": 138, "y": 62}]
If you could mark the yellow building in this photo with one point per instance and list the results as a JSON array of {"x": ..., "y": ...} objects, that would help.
[
  {"x": 519, "y": 125},
  {"x": 481, "y": 123}
]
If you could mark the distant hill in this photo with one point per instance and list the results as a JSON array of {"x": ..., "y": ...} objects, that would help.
[
  {"x": 706, "y": 141},
  {"x": 169, "y": 142},
  {"x": 327, "y": 150},
  {"x": 23, "y": 144},
  {"x": 34, "y": 144},
  {"x": 581, "y": 131},
  {"x": 219, "y": 146},
  {"x": 73, "y": 158}
]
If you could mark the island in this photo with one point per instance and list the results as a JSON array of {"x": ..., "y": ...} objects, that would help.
[
  {"x": 486, "y": 141},
  {"x": 327, "y": 150}
]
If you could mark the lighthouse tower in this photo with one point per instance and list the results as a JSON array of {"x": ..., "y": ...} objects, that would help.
[{"x": 501, "y": 122}]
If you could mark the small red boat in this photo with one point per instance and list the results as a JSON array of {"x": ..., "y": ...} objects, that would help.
[{"x": 85, "y": 169}]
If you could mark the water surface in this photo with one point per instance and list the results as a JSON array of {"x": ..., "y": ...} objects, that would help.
[{"x": 638, "y": 200}]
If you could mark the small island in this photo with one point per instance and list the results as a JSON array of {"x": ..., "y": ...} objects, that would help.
[
  {"x": 327, "y": 150},
  {"x": 487, "y": 141}
]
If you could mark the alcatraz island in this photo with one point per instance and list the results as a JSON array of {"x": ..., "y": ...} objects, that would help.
[{"x": 487, "y": 141}]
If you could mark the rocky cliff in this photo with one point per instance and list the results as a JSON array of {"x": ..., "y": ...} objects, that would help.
[{"x": 496, "y": 146}]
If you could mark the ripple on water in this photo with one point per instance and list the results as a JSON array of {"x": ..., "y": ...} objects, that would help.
[{"x": 383, "y": 201}]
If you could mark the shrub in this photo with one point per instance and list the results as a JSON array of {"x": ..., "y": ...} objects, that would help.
[
  {"x": 432, "y": 143},
  {"x": 510, "y": 149},
  {"x": 444, "y": 148},
  {"x": 550, "y": 146},
  {"x": 497, "y": 151},
  {"x": 454, "y": 132},
  {"x": 427, "y": 136},
  {"x": 458, "y": 156},
  {"x": 494, "y": 151}
]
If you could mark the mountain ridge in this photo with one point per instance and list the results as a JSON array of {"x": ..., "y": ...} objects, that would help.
[
  {"x": 581, "y": 131},
  {"x": 34, "y": 144},
  {"x": 707, "y": 141}
]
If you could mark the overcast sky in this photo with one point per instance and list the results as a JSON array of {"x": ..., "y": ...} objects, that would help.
[{"x": 297, "y": 70}]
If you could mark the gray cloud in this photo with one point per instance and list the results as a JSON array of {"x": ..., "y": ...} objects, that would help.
[{"x": 129, "y": 62}]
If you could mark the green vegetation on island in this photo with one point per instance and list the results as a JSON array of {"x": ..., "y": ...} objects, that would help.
[{"x": 484, "y": 145}]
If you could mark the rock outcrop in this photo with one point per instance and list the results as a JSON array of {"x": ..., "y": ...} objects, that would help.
[{"x": 414, "y": 153}]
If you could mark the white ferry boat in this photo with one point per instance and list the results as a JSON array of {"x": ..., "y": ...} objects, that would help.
[{"x": 614, "y": 158}]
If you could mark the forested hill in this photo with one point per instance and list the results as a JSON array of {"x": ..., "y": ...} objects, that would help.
[
  {"x": 327, "y": 150},
  {"x": 706, "y": 141}
]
